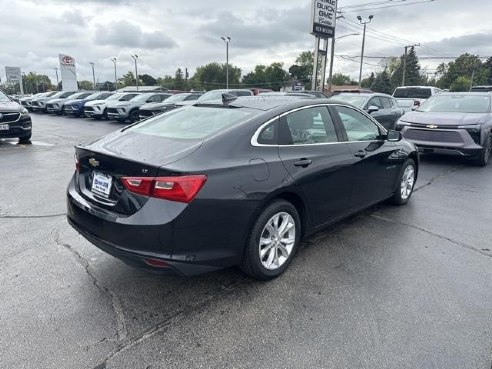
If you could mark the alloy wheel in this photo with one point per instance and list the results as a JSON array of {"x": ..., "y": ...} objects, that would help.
[
  {"x": 277, "y": 240},
  {"x": 407, "y": 182}
]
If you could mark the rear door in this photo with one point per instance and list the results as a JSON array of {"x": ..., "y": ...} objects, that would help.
[
  {"x": 376, "y": 162},
  {"x": 321, "y": 165}
]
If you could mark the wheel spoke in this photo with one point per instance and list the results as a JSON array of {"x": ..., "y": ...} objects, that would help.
[
  {"x": 265, "y": 250},
  {"x": 283, "y": 251},
  {"x": 271, "y": 256},
  {"x": 285, "y": 228}
]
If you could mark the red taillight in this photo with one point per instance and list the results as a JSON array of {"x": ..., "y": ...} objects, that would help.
[
  {"x": 157, "y": 263},
  {"x": 182, "y": 188}
]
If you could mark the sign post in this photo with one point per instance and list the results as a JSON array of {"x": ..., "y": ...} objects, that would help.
[{"x": 323, "y": 19}]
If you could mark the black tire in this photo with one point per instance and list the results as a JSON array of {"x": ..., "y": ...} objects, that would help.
[
  {"x": 398, "y": 197},
  {"x": 105, "y": 114},
  {"x": 484, "y": 156},
  {"x": 133, "y": 116},
  {"x": 252, "y": 262},
  {"x": 25, "y": 139}
]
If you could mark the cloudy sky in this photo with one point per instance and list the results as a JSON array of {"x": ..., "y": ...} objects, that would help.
[{"x": 167, "y": 34}]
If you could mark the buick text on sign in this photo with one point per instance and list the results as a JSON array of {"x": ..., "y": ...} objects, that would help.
[{"x": 324, "y": 13}]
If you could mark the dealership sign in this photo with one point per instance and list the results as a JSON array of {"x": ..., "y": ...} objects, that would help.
[
  {"x": 14, "y": 75},
  {"x": 68, "y": 73},
  {"x": 323, "y": 16}
]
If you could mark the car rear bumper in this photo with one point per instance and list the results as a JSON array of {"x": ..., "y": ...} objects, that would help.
[{"x": 182, "y": 236}]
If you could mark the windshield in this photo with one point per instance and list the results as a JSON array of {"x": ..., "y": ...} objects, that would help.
[
  {"x": 80, "y": 95},
  {"x": 211, "y": 95},
  {"x": 353, "y": 99},
  {"x": 413, "y": 92},
  {"x": 457, "y": 104},
  {"x": 3, "y": 97},
  {"x": 192, "y": 122},
  {"x": 176, "y": 98},
  {"x": 115, "y": 96},
  {"x": 142, "y": 97}
]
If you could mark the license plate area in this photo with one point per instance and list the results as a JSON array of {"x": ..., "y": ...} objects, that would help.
[
  {"x": 101, "y": 184},
  {"x": 4, "y": 127}
]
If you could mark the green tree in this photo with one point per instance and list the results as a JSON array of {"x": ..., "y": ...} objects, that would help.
[
  {"x": 413, "y": 74},
  {"x": 367, "y": 82},
  {"x": 256, "y": 78},
  {"x": 465, "y": 65},
  {"x": 179, "y": 80},
  {"x": 85, "y": 85},
  {"x": 382, "y": 83},
  {"x": 213, "y": 75},
  {"x": 147, "y": 80},
  {"x": 166, "y": 81},
  {"x": 302, "y": 70},
  {"x": 460, "y": 84},
  {"x": 276, "y": 75},
  {"x": 341, "y": 79},
  {"x": 128, "y": 79}
]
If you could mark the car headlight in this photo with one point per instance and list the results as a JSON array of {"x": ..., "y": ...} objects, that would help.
[
  {"x": 24, "y": 112},
  {"x": 121, "y": 110},
  {"x": 474, "y": 131},
  {"x": 97, "y": 107},
  {"x": 400, "y": 124}
]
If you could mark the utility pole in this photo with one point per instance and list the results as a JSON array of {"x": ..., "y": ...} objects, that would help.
[
  {"x": 93, "y": 77},
  {"x": 135, "y": 58},
  {"x": 115, "y": 78},
  {"x": 405, "y": 62},
  {"x": 315, "y": 64},
  {"x": 332, "y": 56},
  {"x": 227, "y": 39},
  {"x": 57, "y": 82},
  {"x": 363, "y": 44}
]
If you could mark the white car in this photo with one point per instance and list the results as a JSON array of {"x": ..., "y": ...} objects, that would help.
[
  {"x": 97, "y": 108},
  {"x": 416, "y": 94}
]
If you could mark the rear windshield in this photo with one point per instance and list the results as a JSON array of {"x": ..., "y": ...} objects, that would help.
[
  {"x": 457, "y": 104},
  {"x": 353, "y": 99},
  {"x": 192, "y": 122},
  {"x": 413, "y": 92},
  {"x": 405, "y": 103}
]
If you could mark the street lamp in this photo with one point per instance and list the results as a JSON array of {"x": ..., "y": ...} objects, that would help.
[
  {"x": 115, "y": 78},
  {"x": 363, "y": 44},
  {"x": 227, "y": 39},
  {"x": 57, "y": 82},
  {"x": 93, "y": 77},
  {"x": 332, "y": 56},
  {"x": 135, "y": 58}
]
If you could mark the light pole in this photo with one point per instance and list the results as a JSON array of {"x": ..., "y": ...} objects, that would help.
[
  {"x": 93, "y": 77},
  {"x": 227, "y": 39},
  {"x": 57, "y": 82},
  {"x": 135, "y": 58},
  {"x": 332, "y": 56},
  {"x": 115, "y": 78},
  {"x": 363, "y": 44}
]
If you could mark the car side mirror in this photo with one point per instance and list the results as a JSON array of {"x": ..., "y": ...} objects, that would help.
[
  {"x": 372, "y": 109},
  {"x": 393, "y": 136}
]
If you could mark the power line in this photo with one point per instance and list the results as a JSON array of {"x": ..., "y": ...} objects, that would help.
[{"x": 387, "y": 6}]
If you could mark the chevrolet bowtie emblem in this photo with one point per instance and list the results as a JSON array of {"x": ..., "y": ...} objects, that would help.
[
  {"x": 93, "y": 162},
  {"x": 431, "y": 126}
]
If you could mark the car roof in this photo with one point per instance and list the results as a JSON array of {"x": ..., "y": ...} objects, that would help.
[
  {"x": 269, "y": 103},
  {"x": 367, "y": 95},
  {"x": 478, "y": 93}
]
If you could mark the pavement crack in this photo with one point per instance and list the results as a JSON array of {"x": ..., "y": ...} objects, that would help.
[
  {"x": 121, "y": 330},
  {"x": 6, "y": 216},
  {"x": 169, "y": 322},
  {"x": 461, "y": 244},
  {"x": 433, "y": 179}
]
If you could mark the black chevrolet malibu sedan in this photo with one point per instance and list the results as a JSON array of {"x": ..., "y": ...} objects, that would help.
[{"x": 234, "y": 182}]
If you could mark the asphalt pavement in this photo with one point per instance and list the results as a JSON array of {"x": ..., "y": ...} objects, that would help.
[{"x": 393, "y": 287}]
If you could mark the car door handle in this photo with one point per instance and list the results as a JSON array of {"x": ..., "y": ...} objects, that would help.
[
  {"x": 303, "y": 163},
  {"x": 360, "y": 154}
]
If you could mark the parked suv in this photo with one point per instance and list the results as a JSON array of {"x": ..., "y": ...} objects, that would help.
[
  {"x": 15, "y": 121},
  {"x": 75, "y": 106},
  {"x": 97, "y": 109},
  {"x": 57, "y": 106},
  {"x": 417, "y": 94},
  {"x": 381, "y": 107},
  {"x": 40, "y": 103},
  {"x": 123, "y": 110},
  {"x": 151, "y": 109}
]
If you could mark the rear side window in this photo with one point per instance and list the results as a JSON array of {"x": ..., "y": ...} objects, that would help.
[
  {"x": 242, "y": 93},
  {"x": 412, "y": 93},
  {"x": 307, "y": 127},
  {"x": 192, "y": 122},
  {"x": 357, "y": 125},
  {"x": 268, "y": 136}
]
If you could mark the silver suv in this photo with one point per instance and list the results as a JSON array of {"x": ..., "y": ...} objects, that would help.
[
  {"x": 97, "y": 109},
  {"x": 123, "y": 110}
]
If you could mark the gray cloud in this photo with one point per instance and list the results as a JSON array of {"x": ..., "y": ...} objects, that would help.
[{"x": 125, "y": 34}]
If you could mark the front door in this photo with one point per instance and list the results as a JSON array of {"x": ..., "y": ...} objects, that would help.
[
  {"x": 375, "y": 158},
  {"x": 321, "y": 165}
]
